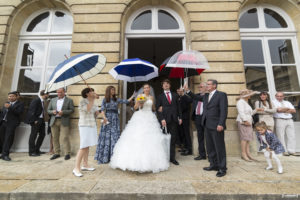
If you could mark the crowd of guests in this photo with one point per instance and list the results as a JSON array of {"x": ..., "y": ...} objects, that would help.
[
  {"x": 273, "y": 123},
  {"x": 271, "y": 120}
]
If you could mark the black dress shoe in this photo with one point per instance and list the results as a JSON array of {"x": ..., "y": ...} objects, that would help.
[
  {"x": 55, "y": 156},
  {"x": 175, "y": 162},
  {"x": 40, "y": 152},
  {"x": 211, "y": 168},
  {"x": 186, "y": 153},
  {"x": 182, "y": 150},
  {"x": 6, "y": 158},
  {"x": 67, "y": 157},
  {"x": 200, "y": 158},
  {"x": 221, "y": 173},
  {"x": 34, "y": 154}
]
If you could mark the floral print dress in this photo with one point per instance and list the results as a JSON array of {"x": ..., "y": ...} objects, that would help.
[{"x": 109, "y": 133}]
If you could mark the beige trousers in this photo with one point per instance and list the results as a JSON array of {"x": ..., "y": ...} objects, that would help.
[
  {"x": 58, "y": 130},
  {"x": 285, "y": 129}
]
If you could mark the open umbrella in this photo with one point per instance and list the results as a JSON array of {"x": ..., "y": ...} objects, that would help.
[
  {"x": 184, "y": 64},
  {"x": 75, "y": 69},
  {"x": 134, "y": 70}
]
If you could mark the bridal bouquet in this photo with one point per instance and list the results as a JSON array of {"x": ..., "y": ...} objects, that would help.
[{"x": 141, "y": 98}]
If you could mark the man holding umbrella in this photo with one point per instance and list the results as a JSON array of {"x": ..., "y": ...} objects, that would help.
[{"x": 215, "y": 109}]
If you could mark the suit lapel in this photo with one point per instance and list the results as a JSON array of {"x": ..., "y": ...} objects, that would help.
[
  {"x": 55, "y": 103},
  {"x": 64, "y": 104},
  {"x": 165, "y": 97},
  {"x": 213, "y": 97}
]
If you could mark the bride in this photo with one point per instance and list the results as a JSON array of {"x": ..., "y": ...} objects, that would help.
[{"x": 140, "y": 147}]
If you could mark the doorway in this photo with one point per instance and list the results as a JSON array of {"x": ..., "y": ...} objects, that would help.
[{"x": 156, "y": 51}]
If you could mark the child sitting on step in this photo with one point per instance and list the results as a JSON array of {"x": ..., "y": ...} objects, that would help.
[{"x": 269, "y": 145}]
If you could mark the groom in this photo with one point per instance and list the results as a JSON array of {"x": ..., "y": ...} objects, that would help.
[{"x": 169, "y": 114}]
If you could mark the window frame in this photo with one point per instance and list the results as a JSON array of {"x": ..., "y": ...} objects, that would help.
[
  {"x": 24, "y": 33},
  {"x": 261, "y": 20},
  {"x": 265, "y": 34},
  {"x": 154, "y": 28},
  {"x": 44, "y": 37}
]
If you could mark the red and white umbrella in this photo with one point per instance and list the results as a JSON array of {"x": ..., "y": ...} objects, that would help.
[{"x": 184, "y": 64}]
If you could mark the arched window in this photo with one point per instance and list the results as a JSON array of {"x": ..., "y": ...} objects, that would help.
[
  {"x": 154, "y": 20},
  {"x": 44, "y": 42},
  {"x": 270, "y": 50}
]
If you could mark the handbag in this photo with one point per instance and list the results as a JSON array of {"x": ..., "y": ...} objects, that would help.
[
  {"x": 255, "y": 117},
  {"x": 166, "y": 141}
]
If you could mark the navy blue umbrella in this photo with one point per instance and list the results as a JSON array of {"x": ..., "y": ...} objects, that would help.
[
  {"x": 134, "y": 70},
  {"x": 75, "y": 69}
]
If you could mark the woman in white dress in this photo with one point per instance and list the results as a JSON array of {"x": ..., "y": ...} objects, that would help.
[
  {"x": 88, "y": 113},
  {"x": 141, "y": 145}
]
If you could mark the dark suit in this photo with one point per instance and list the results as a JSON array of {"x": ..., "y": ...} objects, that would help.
[
  {"x": 171, "y": 113},
  {"x": 214, "y": 114},
  {"x": 9, "y": 125},
  {"x": 185, "y": 104},
  {"x": 35, "y": 117},
  {"x": 199, "y": 127}
]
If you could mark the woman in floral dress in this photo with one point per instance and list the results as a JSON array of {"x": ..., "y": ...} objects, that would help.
[{"x": 110, "y": 128}]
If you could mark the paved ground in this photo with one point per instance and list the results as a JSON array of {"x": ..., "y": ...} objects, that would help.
[{"x": 39, "y": 178}]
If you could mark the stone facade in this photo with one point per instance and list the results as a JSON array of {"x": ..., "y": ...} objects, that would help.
[{"x": 99, "y": 25}]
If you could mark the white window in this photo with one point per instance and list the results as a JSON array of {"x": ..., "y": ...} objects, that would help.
[
  {"x": 270, "y": 51},
  {"x": 155, "y": 20},
  {"x": 44, "y": 42}
]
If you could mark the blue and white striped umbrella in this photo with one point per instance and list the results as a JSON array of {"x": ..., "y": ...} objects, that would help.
[
  {"x": 134, "y": 70},
  {"x": 75, "y": 69}
]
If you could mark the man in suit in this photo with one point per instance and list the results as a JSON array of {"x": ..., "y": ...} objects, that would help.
[
  {"x": 215, "y": 109},
  {"x": 169, "y": 114},
  {"x": 197, "y": 118},
  {"x": 36, "y": 117},
  {"x": 60, "y": 108},
  {"x": 9, "y": 120},
  {"x": 185, "y": 105}
]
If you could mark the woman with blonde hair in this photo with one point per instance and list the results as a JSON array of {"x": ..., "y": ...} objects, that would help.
[{"x": 244, "y": 122}]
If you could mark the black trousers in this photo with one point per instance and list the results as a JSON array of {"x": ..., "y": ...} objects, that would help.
[
  {"x": 200, "y": 134},
  {"x": 172, "y": 129},
  {"x": 37, "y": 136},
  {"x": 7, "y": 135},
  {"x": 187, "y": 137},
  {"x": 216, "y": 150},
  {"x": 180, "y": 137}
]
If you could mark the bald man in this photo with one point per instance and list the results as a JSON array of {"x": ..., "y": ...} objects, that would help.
[{"x": 284, "y": 124}]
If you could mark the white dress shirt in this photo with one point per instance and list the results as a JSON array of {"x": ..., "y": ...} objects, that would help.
[
  {"x": 211, "y": 94},
  {"x": 42, "y": 114},
  {"x": 59, "y": 105},
  {"x": 170, "y": 94},
  {"x": 201, "y": 108},
  {"x": 283, "y": 104}
]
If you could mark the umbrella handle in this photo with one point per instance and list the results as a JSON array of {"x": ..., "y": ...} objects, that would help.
[{"x": 78, "y": 73}]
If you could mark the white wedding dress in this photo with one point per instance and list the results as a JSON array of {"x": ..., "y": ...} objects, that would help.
[{"x": 140, "y": 147}]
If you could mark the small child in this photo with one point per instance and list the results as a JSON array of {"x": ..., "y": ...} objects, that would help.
[{"x": 270, "y": 145}]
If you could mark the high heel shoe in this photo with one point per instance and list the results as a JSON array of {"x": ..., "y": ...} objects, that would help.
[
  {"x": 78, "y": 174},
  {"x": 246, "y": 159},
  {"x": 253, "y": 159}
]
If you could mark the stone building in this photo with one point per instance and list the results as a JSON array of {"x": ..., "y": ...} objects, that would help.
[{"x": 248, "y": 43}]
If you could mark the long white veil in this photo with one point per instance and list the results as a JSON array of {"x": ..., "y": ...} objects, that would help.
[{"x": 140, "y": 91}]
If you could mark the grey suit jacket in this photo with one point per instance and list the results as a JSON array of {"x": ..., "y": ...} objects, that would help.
[{"x": 67, "y": 109}]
